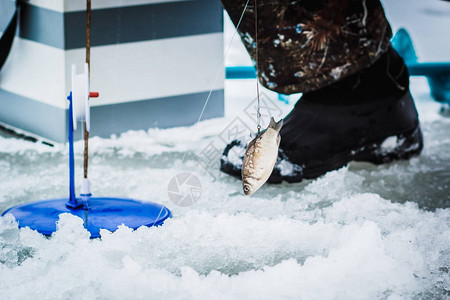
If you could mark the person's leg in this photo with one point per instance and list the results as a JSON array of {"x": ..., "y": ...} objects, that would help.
[
  {"x": 305, "y": 45},
  {"x": 367, "y": 114}
]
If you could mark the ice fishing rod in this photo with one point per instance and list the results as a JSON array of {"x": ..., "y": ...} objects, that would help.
[
  {"x": 96, "y": 212},
  {"x": 79, "y": 110},
  {"x": 88, "y": 61}
]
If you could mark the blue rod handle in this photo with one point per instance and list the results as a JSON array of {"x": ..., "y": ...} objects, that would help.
[{"x": 72, "y": 198}]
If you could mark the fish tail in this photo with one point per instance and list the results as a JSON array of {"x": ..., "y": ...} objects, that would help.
[{"x": 276, "y": 126}]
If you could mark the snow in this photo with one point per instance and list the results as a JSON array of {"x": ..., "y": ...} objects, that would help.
[
  {"x": 361, "y": 232},
  {"x": 389, "y": 144}
]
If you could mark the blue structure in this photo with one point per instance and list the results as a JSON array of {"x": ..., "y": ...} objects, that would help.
[
  {"x": 96, "y": 212},
  {"x": 437, "y": 73}
]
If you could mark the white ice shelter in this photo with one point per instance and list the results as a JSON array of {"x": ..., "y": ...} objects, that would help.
[{"x": 154, "y": 63}]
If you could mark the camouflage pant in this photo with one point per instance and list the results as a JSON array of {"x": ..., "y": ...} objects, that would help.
[{"x": 305, "y": 45}]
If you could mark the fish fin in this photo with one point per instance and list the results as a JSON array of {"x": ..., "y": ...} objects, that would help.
[
  {"x": 272, "y": 123},
  {"x": 276, "y": 126}
]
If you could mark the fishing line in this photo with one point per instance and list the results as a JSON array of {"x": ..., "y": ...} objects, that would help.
[
  {"x": 214, "y": 84},
  {"x": 258, "y": 113},
  {"x": 217, "y": 75}
]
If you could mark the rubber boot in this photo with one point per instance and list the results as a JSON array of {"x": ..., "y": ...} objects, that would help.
[{"x": 369, "y": 116}]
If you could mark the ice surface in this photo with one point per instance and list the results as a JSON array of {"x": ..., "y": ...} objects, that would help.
[{"x": 361, "y": 232}]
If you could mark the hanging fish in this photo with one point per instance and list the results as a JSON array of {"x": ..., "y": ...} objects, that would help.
[{"x": 260, "y": 157}]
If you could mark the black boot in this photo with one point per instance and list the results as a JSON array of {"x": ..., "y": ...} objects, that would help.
[{"x": 369, "y": 116}]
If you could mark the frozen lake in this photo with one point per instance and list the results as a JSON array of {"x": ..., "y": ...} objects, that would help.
[{"x": 361, "y": 232}]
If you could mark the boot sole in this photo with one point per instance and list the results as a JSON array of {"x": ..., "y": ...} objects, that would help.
[{"x": 406, "y": 146}]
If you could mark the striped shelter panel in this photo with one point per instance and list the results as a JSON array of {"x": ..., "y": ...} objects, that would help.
[
  {"x": 153, "y": 69},
  {"x": 154, "y": 63},
  {"x": 51, "y": 122},
  {"x": 124, "y": 24}
]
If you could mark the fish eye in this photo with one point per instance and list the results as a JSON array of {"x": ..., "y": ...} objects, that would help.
[{"x": 246, "y": 188}]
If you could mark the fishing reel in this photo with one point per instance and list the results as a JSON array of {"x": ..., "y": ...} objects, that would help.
[{"x": 79, "y": 98}]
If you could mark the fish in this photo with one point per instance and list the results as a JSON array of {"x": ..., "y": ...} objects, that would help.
[{"x": 260, "y": 157}]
